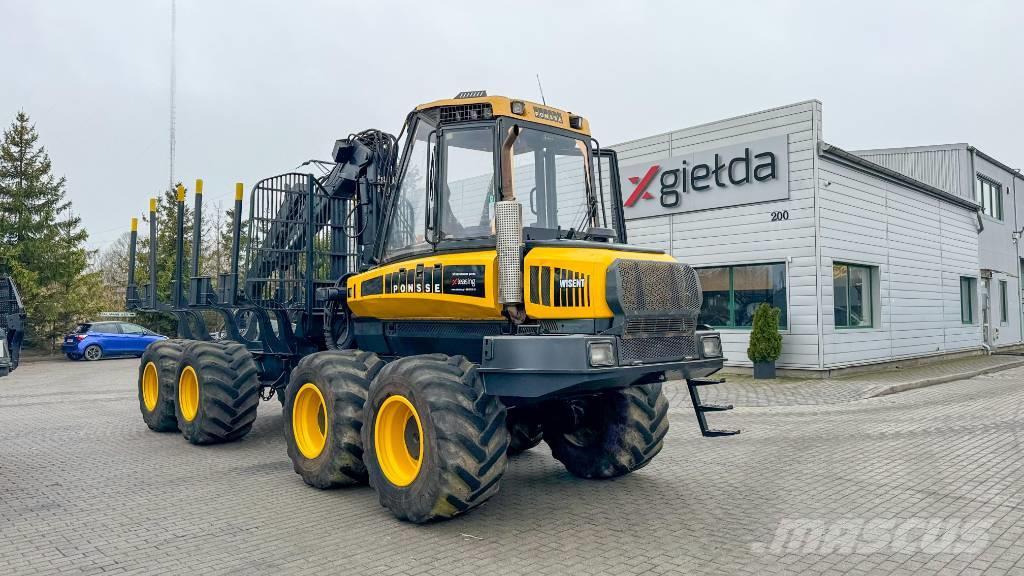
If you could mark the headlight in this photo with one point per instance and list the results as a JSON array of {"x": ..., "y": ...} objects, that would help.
[
  {"x": 601, "y": 353},
  {"x": 712, "y": 346}
]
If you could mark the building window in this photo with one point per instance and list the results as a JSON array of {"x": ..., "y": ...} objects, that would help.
[
  {"x": 732, "y": 293},
  {"x": 967, "y": 291},
  {"x": 853, "y": 295},
  {"x": 989, "y": 195},
  {"x": 1004, "y": 303}
]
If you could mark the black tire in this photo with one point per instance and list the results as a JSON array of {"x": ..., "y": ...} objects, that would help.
[
  {"x": 71, "y": 356},
  {"x": 525, "y": 429},
  {"x": 228, "y": 392},
  {"x": 608, "y": 434},
  {"x": 5, "y": 371},
  {"x": 92, "y": 353},
  {"x": 165, "y": 356},
  {"x": 464, "y": 439},
  {"x": 342, "y": 378}
]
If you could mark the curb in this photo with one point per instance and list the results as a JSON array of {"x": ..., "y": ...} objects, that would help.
[{"x": 904, "y": 386}]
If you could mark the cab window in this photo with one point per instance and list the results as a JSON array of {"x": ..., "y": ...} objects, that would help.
[
  {"x": 407, "y": 225},
  {"x": 468, "y": 194}
]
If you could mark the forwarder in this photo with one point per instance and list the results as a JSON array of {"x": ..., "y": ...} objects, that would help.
[{"x": 424, "y": 314}]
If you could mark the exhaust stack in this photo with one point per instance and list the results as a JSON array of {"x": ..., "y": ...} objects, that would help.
[{"x": 508, "y": 218}]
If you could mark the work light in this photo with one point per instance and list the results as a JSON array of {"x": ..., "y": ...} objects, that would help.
[
  {"x": 601, "y": 354},
  {"x": 711, "y": 346}
]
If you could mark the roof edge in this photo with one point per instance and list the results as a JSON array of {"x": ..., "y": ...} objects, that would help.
[
  {"x": 1015, "y": 171},
  {"x": 926, "y": 148},
  {"x": 712, "y": 122},
  {"x": 837, "y": 154}
]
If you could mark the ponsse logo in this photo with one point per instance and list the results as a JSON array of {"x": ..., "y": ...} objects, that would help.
[
  {"x": 700, "y": 177},
  {"x": 546, "y": 114}
]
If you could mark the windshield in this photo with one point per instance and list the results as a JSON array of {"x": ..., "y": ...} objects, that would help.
[{"x": 551, "y": 177}]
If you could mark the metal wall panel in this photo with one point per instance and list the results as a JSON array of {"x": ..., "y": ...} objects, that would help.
[
  {"x": 941, "y": 167},
  {"x": 919, "y": 245}
]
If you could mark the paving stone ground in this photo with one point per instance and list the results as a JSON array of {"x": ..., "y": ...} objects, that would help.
[
  {"x": 743, "y": 390},
  {"x": 929, "y": 481}
]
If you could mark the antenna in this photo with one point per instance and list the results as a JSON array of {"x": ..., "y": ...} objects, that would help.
[
  {"x": 542, "y": 100},
  {"x": 174, "y": 80}
]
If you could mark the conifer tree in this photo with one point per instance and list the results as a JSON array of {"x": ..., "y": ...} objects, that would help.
[{"x": 43, "y": 242}]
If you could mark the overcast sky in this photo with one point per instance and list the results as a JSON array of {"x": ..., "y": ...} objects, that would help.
[{"x": 263, "y": 86}]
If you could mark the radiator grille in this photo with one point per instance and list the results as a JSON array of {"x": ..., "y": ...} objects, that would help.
[
  {"x": 651, "y": 350},
  {"x": 443, "y": 329},
  {"x": 646, "y": 286},
  {"x": 559, "y": 287},
  {"x": 466, "y": 113},
  {"x": 659, "y": 326}
]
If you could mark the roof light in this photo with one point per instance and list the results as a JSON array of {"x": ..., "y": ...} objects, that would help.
[
  {"x": 518, "y": 107},
  {"x": 575, "y": 122}
]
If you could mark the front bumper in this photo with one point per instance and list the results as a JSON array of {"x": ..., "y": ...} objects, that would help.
[{"x": 547, "y": 365}]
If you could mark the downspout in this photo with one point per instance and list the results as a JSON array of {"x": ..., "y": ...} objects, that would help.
[
  {"x": 816, "y": 199},
  {"x": 1020, "y": 316},
  {"x": 971, "y": 183}
]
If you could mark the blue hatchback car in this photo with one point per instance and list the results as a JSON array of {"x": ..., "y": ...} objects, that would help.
[{"x": 95, "y": 340}]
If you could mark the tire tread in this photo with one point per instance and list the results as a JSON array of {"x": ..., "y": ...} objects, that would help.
[
  {"x": 165, "y": 354},
  {"x": 228, "y": 391},
  {"x": 472, "y": 440},
  {"x": 348, "y": 373},
  {"x": 634, "y": 432}
]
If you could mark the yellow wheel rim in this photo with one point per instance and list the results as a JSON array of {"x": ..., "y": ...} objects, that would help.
[
  {"x": 309, "y": 421},
  {"x": 398, "y": 440},
  {"x": 188, "y": 393},
  {"x": 150, "y": 386}
]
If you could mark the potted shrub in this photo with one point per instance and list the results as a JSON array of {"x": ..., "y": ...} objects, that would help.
[{"x": 765, "y": 341}]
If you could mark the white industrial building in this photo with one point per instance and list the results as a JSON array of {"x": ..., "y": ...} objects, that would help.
[
  {"x": 873, "y": 257},
  {"x": 967, "y": 172}
]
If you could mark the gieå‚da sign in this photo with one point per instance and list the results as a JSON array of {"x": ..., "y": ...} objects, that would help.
[{"x": 745, "y": 173}]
